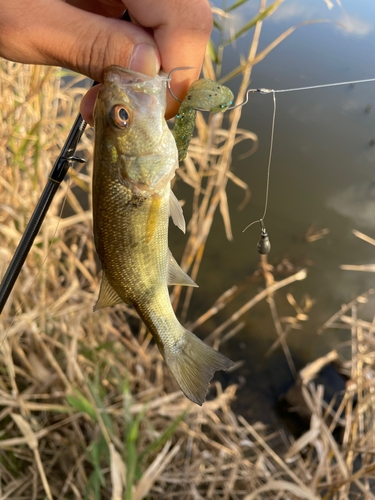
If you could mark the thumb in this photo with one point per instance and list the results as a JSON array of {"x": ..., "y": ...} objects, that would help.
[{"x": 63, "y": 35}]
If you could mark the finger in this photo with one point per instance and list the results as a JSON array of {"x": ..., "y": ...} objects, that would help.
[
  {"x": 53, "y": 32},
  {"x": 181, "y": 30},
  {"x": 107, "y": 8},
  {"x": 88, "y": 103}
]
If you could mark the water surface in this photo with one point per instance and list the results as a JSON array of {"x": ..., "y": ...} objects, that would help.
[{"x": 322, "y": 173}]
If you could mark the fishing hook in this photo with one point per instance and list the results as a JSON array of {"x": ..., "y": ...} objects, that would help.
[{"x": 169, "y": 80}]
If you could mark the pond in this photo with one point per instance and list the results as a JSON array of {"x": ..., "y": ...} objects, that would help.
[{"x": 322, "y": 173}]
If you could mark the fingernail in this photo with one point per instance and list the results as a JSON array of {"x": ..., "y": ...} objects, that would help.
[{"x": 144, "y": 60}]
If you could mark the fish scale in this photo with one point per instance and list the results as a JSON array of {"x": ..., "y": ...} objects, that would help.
[{"x": 135, "y": 159}]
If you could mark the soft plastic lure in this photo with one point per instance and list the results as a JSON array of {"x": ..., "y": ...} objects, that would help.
[{"x": 205, "y": 95}]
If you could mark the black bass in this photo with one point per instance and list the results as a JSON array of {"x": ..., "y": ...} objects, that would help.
[{"x": 135, "y": 160}]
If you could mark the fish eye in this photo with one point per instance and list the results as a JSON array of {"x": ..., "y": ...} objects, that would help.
[{"x": 120, "y": 116}]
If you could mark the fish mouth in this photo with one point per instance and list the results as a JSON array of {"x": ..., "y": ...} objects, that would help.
[
  {"x": 144, "y": 93},
  {"x": 127, "y": 77}
]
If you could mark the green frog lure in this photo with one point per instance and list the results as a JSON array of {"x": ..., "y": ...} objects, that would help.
[{"x": 203, "y": 95}]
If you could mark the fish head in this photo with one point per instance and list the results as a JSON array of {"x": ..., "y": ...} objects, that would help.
[{"x": 129, "y": 121}]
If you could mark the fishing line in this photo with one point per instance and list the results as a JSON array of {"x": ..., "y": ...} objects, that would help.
[
  {"x": 264, "y": 245},
  {"x": 41, "y": 266},
  {"x": 268, "y": 91},
  {"x": 270, "y": 155},
  {"x": 326, "y": 85}
]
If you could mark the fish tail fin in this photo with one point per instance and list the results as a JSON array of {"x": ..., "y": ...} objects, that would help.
[{"x": 193, "y": 365}]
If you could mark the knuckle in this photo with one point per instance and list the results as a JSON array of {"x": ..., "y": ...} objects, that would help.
[
  {"x": 207, "y": 19},
  {"x": 93, "y": 53},
  {"x": 97, "y": 53},
  {"x": 89, "y": 52},
  {"x": 194, "y": 17},
  {"x": 202, "y": 20}
]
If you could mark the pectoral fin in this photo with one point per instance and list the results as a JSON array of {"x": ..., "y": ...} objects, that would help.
[
  {"x": 153, "y": 216},
  {"x": 176, "y": 212},
  {"x": 107, "y": 295},
  {"x": 176, "y": 276}
]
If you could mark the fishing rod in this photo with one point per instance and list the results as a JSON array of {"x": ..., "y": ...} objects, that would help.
[{"x": 59, "y": 170}]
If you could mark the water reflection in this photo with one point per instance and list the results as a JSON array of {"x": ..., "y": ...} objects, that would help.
[
  {"x": 357, "y": 203},
  {"x": 322, "y": 173}
]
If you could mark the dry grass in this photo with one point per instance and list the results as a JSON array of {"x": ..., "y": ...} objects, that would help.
[{"x": 87, "y": 406}]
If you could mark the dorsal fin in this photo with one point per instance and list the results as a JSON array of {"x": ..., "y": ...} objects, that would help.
[
  {"x": 107, "y": 295},
  {"x": 176, "y": 276},
  {"x": 176, "y": 212}
]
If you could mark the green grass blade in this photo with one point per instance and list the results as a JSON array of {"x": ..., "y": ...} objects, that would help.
[
  {"x": 218, "y": 26},
  {"x": 80, "y": 403},
  {"x": 260, "y": 17},
  {"x": 235, "y": 5},
  {"x": 212, "y": 52},
  {"x": 158, "y": 443},
  {"x": 95, "y": 392},
  {"x": 99, "y": 450}
]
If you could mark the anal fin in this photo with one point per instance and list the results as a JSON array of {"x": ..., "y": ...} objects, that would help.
[
  {"x": 107, "y": 295},
  {"x": 176, "y": 276}
]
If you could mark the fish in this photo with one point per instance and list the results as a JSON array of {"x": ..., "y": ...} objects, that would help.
[
  {"x": 203, "y": 94},
  {"x": 135, "y": 158}
]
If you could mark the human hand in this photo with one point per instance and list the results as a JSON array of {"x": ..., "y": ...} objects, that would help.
[{"x": 86, "y": 36}]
